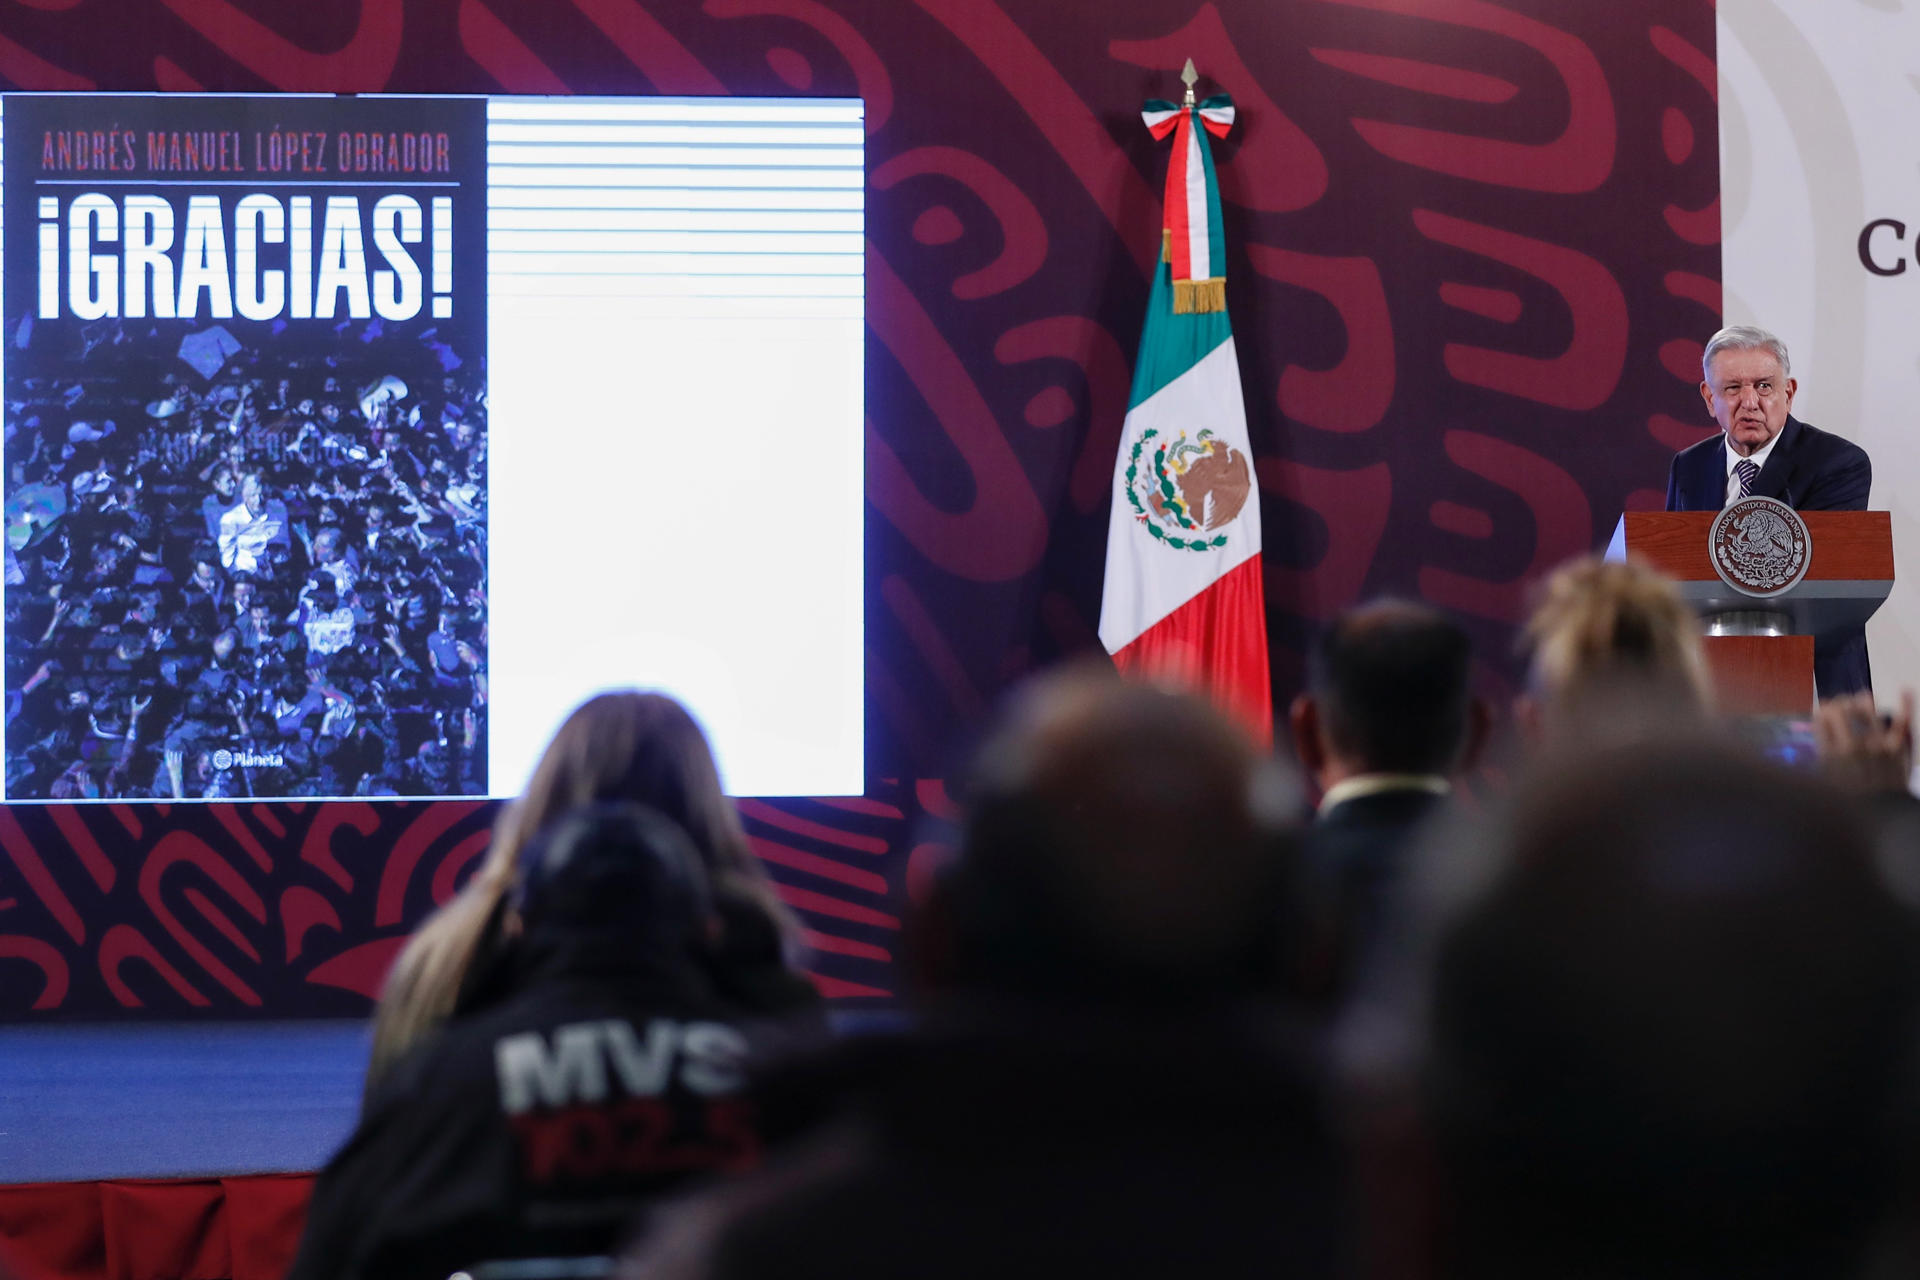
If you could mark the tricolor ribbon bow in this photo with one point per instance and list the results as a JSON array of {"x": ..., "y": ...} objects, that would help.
[{"x": 1191, "y": 241}]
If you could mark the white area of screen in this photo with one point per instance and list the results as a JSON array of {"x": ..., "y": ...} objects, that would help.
[
  {"x": 676, "y": 301},
  {"x": 676, "y": 328}
]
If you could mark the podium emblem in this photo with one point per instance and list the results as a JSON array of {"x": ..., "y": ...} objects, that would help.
[{"x": 1760, "y": 547}]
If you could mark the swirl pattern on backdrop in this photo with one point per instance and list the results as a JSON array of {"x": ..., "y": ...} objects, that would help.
[{"x": 1471, "y": 258}]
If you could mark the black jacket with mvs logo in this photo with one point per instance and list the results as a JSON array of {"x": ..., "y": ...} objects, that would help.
[{"x": 538, "y": 1126}]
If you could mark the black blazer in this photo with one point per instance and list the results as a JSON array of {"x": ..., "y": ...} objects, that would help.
[
  {"x": 1809, "y": 470},
  {"x": 1356, "y": 858}
]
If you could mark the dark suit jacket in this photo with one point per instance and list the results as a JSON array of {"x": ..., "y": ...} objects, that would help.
[
  {"x": 1108, "y": 1141},
  {"x": 1809, "y": 470},
  {"x": 1356, "y": 855}
]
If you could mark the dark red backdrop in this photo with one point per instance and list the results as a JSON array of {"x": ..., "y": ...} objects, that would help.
[{"x": 1474, "y": 250}]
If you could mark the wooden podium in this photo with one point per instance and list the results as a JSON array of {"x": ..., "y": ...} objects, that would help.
[{"x": 1761, "y": 650}]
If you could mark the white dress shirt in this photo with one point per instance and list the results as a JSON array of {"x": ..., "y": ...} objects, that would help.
[{"x": 1373, "y": 784}]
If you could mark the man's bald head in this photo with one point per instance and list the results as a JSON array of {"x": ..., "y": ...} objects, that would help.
[{"x": 1117, "y": 837}]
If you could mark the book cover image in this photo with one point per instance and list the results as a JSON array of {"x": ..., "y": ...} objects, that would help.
[{"x": 245, "y": 447}]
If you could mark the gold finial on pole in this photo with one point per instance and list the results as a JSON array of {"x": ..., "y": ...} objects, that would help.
[{"x": 1190, "y": 78}]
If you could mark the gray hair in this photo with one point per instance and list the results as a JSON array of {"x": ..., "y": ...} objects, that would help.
[{"x": 1744, "y": 337}]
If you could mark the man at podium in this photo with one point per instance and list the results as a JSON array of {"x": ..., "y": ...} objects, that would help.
[{"x": 1763, "y": 450}]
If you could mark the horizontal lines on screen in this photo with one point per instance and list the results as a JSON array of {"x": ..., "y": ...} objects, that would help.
[
  {"x": 683, "y": 285},
  {"x": 715, "y": 155},
  {"x": 530, "y": 262},
  {"x": 678, "y": 110},
  {"x": 564, "y": 222},
  {"x": 507, "y": 244},
  {"x": 609, "y": 133},
  {"x": 739, "y": 202},
  {"x": 500, "y": 196},
  {"x": 647, "y": 177}
]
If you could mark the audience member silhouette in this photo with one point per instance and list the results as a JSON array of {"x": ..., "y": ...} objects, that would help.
[
  {"x": 1386, "y": 721},
  {"x": 630, "y": 746},
  {"x": 1612, "y": 648},
  {"x": 1663, "y": 1022},
  {"x": 1098, "y": 1087},
  {"x": 609, "y": 1068}
]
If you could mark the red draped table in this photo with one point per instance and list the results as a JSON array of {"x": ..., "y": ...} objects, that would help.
[{"x": 241, "y": 1228}]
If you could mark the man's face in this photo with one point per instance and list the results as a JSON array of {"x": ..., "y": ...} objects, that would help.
[
  {"x": 253, "y": 495},
  {"x": 1748, "y": 397}
]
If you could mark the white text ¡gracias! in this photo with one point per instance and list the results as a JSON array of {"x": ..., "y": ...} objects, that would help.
[{"x": 152, "y": 274}]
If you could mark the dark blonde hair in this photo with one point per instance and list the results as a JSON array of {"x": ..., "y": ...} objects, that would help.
[
  {"x": 626, "y": 746},
  {"x": 1610, "y": 623}
]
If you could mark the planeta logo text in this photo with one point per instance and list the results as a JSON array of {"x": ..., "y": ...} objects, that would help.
[{"x": 247, "y": 758}]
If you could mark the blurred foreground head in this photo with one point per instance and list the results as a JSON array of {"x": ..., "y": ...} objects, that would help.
[
  {"x": 1612, "y": 646},
  {"x": 626, "y": 746},
  {"x": 1120, "y": 841},
  {"x": 1670, "y": 1026},
  {"x": 1388, "y": 691},
  {"x": 629, "y": 746},
  {"x": 615, "y": 871}
]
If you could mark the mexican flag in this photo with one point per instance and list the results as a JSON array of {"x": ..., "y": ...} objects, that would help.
[{"x": 1183, "y": 599}]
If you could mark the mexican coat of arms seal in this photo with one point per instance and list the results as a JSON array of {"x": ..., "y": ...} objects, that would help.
[
  {"x": 1187, "y": 490},
  {"x": 1760, "y": 547}
]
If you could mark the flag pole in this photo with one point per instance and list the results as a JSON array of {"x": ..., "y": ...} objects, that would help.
[{"x": 1184, "y": 597}]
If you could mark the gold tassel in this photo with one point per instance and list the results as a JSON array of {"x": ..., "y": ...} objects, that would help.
[
  {"x": 1166, "y": 244},
  {"x": 1190, "y": 296}
]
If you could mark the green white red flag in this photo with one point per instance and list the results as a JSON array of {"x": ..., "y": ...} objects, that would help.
[{"x": 1184, "y": 601}]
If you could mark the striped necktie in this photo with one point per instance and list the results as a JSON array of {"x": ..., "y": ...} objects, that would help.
[{"x": 1748, "y": 473}]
